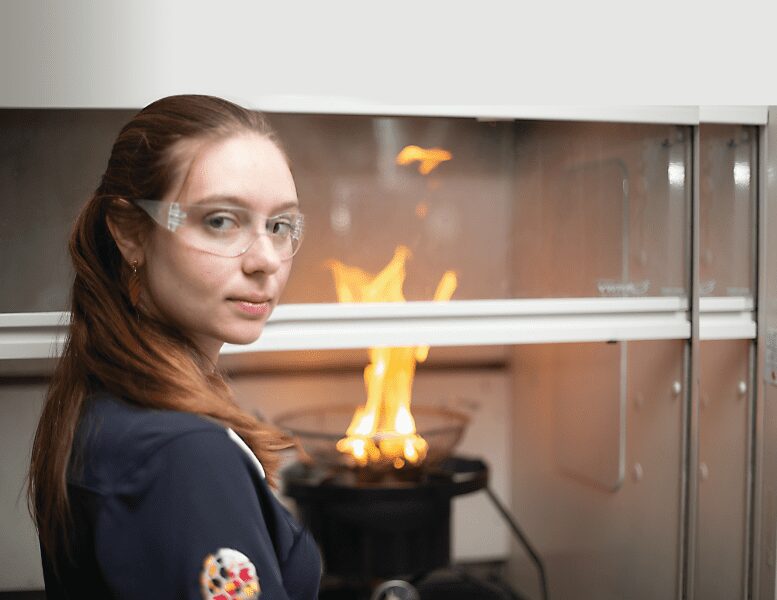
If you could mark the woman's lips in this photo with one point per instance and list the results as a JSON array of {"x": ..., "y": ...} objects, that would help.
[{"x": 252, "y": 308}]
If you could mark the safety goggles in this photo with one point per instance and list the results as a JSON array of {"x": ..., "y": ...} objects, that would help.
[{"x": 225, "y": 230}]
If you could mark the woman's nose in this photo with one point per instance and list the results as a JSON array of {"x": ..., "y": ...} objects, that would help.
[{"x": 261, "y": 256}]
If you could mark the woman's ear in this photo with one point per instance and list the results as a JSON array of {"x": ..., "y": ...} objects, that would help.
[{"x": 130, "y": 246}]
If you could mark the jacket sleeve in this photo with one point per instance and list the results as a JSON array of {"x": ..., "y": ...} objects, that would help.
[{"x": 188, "y": 524}]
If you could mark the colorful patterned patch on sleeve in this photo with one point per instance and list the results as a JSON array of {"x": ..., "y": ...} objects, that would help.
[{"x": 229, "y": 575}]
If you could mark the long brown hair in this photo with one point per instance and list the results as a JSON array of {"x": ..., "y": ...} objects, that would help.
[{"x": 112, "y": 345}]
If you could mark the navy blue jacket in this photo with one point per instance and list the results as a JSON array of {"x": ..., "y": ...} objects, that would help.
[{"x": 166, "y": 505}]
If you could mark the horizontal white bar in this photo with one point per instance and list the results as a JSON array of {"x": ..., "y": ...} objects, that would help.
[
  {"x": 727, "y": 327},
  {"x": 336, "y": 105},
  {"x": 473, "y": 322},
  {"x": 476, "y": 308},
  {"x": 677, "y": 115},
  {"x": 49, "y": 346},
  {"x": 518, "y": 329},
  {"x": 456, "y": 323},
  {"x": 711, "y": 304},
  {"x": 318, "y": 311},
  {"x": 34, "y": 320},
  {"x": 735, "y": 115},
  {"x": 33, "y": 335},
  {"x": 726, "y": 318}
]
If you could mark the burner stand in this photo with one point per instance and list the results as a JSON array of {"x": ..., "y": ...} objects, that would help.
[{"x": 375, "y": 531}]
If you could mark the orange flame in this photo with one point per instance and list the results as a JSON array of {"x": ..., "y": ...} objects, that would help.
[
  {"x": 428, "y": 158},
  {"x": 383, "y": 429}
]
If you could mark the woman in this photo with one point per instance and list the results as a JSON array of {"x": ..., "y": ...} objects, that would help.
[{"x": 146, "y": 479}]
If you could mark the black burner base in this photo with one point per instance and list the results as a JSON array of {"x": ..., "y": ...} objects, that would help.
[{"x": 369, "y": 532}]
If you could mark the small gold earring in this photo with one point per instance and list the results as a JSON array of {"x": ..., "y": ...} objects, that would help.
[{"x": 133, "y": 286}]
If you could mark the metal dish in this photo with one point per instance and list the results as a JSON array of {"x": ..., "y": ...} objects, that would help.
[{"x": 319, "y": 429}]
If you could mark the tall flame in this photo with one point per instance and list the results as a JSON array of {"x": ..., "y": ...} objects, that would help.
[{"x": 383, "y": 429}]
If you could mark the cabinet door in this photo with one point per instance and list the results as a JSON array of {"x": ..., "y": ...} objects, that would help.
[
  {"x": 724, "y": 478},
  {"x": 727, "y": 250},
  {"x": 601, "y": 500}
]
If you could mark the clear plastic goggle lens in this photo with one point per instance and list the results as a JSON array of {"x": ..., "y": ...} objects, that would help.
[{"x": 224, "y": 230}]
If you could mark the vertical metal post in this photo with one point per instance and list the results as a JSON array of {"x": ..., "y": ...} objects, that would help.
[
  {"x": 759, "y": 393},
  {"x": 753, "y": 373},
  {"x": 691, "y": 413}
]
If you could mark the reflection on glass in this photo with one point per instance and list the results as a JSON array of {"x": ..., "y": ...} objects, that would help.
[
  {"x": 600, "y": 210},
  {"x": 742, "y": 174},
  {"x": 340, "y": 219},
  {"x": 676, "y": 172},
  {"x": 442, "y": 188},
  {"x": 727, "y": 205},
  {"x": 518, "y": 209}
]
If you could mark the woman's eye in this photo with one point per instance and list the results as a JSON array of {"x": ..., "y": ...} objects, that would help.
[
  {"x": 221, "y": 222},
  {"x": 280, "y": 228}
]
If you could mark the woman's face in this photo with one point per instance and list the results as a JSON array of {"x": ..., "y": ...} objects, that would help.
[{"x": 211, "y": 298}]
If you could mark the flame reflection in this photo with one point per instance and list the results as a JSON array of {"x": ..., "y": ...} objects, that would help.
[{"x": 428, "y": 158}]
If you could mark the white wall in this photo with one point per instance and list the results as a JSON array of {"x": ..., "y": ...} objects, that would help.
[{"x": 287, "y": 56}]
